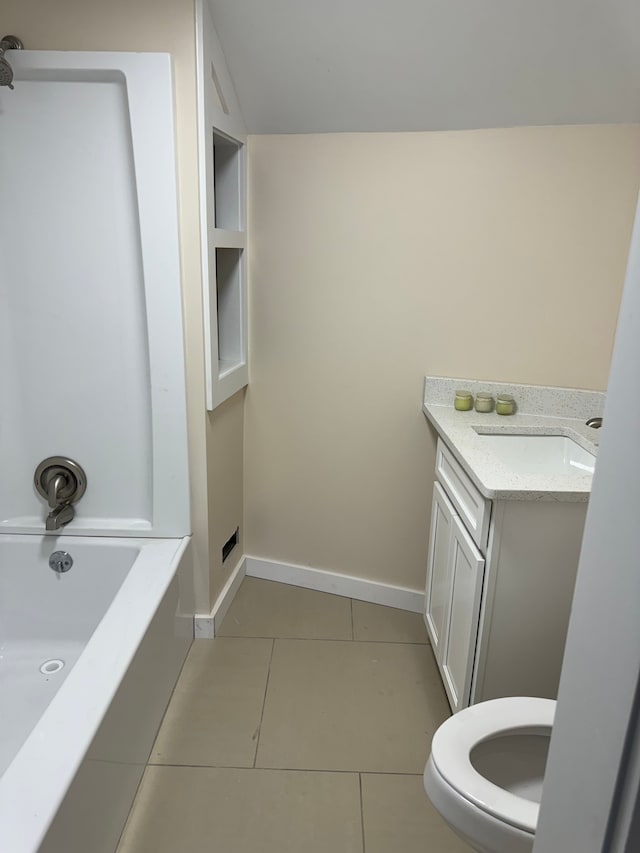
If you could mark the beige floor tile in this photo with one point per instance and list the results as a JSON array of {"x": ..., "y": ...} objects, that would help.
[
  {"x": 202, "y": 809},
  {"x": 397, "y": 815},
  {"x": 268, "y": 609},
  {"x": 214, "y": 715},
  {"x": 350, "y": 706},
  {"x": 376, "y": 623}
]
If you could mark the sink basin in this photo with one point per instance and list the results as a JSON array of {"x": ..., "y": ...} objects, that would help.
[{"x": 539, "y": 454}]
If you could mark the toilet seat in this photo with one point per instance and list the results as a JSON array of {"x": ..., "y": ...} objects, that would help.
[{"x": 454, "y": 741}]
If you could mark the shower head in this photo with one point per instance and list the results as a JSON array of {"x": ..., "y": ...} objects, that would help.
[{"x": 6, "y": 71}]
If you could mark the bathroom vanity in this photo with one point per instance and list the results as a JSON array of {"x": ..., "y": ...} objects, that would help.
[{"x": 509, "y": 505}]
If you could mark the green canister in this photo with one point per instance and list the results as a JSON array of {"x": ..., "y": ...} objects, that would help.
[
  {"x": 484, "y": 402},
  {"x": 505, "y": 404},
  {"x": 463, "y": 401}
]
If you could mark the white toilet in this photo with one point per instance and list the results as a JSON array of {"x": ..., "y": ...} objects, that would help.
[{"x": 485, "y": 772}]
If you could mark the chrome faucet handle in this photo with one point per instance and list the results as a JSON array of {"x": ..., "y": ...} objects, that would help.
[
  {"x": 55, "y": 484},
  {"x": 61, "y": 482},
  {"x": 60, "y": 479}
]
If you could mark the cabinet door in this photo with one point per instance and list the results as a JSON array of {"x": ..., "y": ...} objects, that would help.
[
  {"x": 467, "y": 571},
  {"x": 438, "y": 590}
]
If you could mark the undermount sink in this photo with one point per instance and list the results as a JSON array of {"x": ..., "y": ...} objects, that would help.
[{"x": 539, "y": 454}]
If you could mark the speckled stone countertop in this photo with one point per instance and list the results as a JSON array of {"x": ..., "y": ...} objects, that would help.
[{"x": 540, "y": 410}]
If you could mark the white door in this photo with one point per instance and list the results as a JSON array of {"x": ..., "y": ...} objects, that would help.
[
  {"x": 438, "y": 590},
  {"x": 466, "y": 566}
]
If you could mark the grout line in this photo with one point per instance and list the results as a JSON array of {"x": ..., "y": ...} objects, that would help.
[
  {"x": 331, "y": 640},
  {"x": 264, "y": 701},
  {"x": 364, "y": 844},
  {"x": 389, "y": 773},
  {"x": 149, "y": 762},
  {"x": 170, "y": 700},
  {"x": 330, "y": 770},
  {"x": 287, "y": 769},
  {"x": 326, "y": 770}
]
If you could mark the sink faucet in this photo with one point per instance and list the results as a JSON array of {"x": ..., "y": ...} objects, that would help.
[{"x": 596, "y": 423}]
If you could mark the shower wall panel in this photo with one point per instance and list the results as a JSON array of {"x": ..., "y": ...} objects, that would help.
[{"x": 75, "y": 375}]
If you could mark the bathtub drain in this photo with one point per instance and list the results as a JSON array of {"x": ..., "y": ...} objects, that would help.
[{"x": 51, "y": 666}]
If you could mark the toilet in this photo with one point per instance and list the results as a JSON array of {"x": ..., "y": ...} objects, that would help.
[{"x": 484, "y": 774}]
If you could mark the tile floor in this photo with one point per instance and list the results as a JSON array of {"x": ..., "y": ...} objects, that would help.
[{"x": 304, "y": 726}]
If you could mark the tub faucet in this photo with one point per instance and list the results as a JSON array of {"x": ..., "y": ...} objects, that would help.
[
  {"x": 62, "y": 482},
  {"x": 59, "y": 516},
  {"x": 596, "y": 423}
]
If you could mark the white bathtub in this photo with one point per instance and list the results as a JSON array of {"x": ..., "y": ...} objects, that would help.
[{"x": 74, "y": 740}]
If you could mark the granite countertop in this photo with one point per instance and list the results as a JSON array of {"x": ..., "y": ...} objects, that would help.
[{"x": 541, "y": 411}]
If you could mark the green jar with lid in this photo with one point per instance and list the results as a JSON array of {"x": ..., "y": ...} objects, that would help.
[
  {"x": 484, "y": 402},
  {"x": 505, "y": 404},
  {"x": 463, "y": 401}
]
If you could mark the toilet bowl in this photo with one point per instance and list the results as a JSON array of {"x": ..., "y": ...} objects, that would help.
[{"x": 485, "y": 772}]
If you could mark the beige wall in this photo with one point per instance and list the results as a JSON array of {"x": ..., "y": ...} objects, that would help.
[
  {"x": 225, "y": 467},
  {"x": 378, "y": 258},
  {"x": 374, "y": 259},
  {"x": 166, "y": 26}
]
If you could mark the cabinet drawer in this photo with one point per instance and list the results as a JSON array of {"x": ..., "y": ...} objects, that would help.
[{"x": 474, "y": 510}]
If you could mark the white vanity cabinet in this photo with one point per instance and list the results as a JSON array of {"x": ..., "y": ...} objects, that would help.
[
  {"x": 454, "y": 586},
  {"x": 500, "y": 578}
]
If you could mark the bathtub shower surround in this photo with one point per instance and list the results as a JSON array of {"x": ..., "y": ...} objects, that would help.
[
  {"x": 99, "y": 615},
  {"x": 91, "y": 320}
]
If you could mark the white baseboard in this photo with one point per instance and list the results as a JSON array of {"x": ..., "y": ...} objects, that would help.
[
  {"x": 376, "y": 592},
  {"x": 206, "y": 624}
]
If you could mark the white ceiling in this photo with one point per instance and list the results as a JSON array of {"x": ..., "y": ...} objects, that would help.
[{"x": 303, "y": 66}]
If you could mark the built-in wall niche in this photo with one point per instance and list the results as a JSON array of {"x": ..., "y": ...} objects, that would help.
[
  {"x": 227, "y": 182},
  {"x": 224, "y": 277},
  {"x": 225, "y": 287},
  {"x": 222, "y": 166},
  {"x": 229, "y": 268}
]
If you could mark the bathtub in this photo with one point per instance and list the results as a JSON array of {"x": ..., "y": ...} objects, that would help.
[{"x": 88, "y": 660}]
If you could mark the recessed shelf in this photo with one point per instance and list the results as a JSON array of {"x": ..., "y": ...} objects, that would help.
[
  {"x": 229, "y": 309},
  {"x": 222, "y": 167},
  {"x": 222, "y": 238},
  {"x": 227, "y": 367},
  {"x": 227, "y": 182}
]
